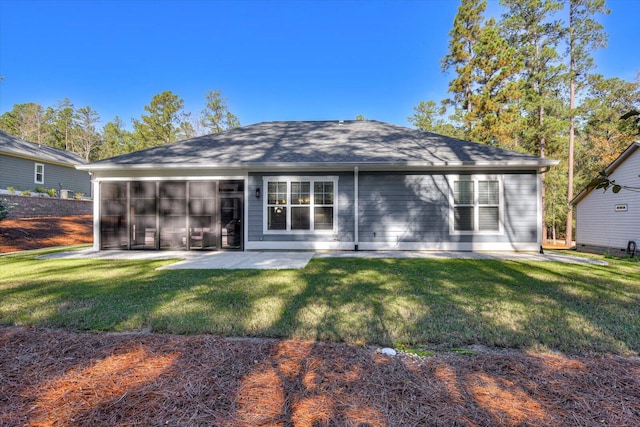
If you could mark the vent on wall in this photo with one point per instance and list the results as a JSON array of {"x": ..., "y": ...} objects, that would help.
[{"x": 621, "y": 208}]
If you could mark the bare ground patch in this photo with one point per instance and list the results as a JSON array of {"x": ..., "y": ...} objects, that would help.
[{"x": 19, "y": 234}]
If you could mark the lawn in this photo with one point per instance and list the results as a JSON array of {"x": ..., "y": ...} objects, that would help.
[{"x": 422, "y": 304}]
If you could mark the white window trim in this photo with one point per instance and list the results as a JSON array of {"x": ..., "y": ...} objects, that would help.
[
  {"x": 476, "y": 205},
  {"x": 289, "y": 179},
  {"x": 35, "y": 173}
]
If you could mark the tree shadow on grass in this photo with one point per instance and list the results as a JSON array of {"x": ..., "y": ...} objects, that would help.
[{"x": 441, "y": 303}]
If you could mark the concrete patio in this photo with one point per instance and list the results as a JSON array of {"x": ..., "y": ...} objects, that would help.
[{"x": 272, "y": 260}]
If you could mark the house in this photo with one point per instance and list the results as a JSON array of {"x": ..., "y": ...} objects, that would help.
[
  {"x": 319, "y": 185},
  {"x": 26, "y": 165},
  {"x": 608, "y": 222}
]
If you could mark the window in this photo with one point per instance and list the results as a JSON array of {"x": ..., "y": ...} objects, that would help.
[
  {"x": 39, "y": 173},
  {"x": 476, "y": 205},
  {"x": 300, "y": 204}
]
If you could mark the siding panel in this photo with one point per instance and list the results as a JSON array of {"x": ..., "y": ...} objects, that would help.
[
  {"x": 597, "y": 222},
  {"x": 397, "y": 208},
  {"x": 19, "y": 173},
  {"x": 345, "y": 210}
]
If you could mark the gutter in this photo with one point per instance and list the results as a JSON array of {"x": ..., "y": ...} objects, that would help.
[
  {"x": 42, "y": 160},
  {"x": 371, "y": 166}
]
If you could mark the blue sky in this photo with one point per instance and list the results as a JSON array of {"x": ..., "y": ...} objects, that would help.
[{"x": 272, "y": 60}]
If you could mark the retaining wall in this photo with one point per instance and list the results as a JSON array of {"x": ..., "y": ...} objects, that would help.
[{"x": 30, "y": 207}]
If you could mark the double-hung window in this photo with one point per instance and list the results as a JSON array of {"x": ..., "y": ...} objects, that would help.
[
  {"x": 476, "y": 205},
  {"x": 300, "y": 204},
  {"x": 38, "y": 175}
]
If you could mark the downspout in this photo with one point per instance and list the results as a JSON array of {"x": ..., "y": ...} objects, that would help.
[
  {"x": 355, "y": 208},
  {"x": 97, "y": 237},
  {"x": 540, "y": 212}
]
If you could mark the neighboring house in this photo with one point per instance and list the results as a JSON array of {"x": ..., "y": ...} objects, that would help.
[
  {"x": 325, "y": 185},
  {"x": 606, "y": 222},
  {"x": 26, "y": 165}
]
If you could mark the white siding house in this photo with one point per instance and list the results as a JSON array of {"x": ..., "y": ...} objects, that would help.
[{"x": 607, "y": 222}]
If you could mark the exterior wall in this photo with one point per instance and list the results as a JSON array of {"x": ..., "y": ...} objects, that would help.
[
  {"x": 411, "y": 211},
  {"x": 19, "y": 173},
  {"x": 396, "y": 211},
  {"x": 344, "y": 239},
  {"x": 400, "y": 211},
  {"x": 599, "y": 227}
]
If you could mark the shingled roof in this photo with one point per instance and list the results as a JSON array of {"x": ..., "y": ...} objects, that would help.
[
  {"x": 321, "y": 144},
  {"x": 17, "y": 147}
]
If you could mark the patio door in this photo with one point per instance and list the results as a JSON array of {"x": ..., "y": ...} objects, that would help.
[{"x": 231, "y": 214}]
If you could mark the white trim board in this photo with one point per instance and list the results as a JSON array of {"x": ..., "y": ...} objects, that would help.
[{"x": 402, "y": 246}]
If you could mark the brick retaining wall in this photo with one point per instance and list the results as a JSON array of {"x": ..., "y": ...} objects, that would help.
[{"x": 30, "y": 207}]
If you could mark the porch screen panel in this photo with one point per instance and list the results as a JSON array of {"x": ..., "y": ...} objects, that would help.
[
  {"x": 143, "y": 210},
  {"x": 173, "y": 215},
  {"x": 202, "y": 215},
  {"x": 113, "y": 215}
]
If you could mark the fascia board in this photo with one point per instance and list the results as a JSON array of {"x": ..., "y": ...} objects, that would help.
[
  {"x": 365, "y": 166},
  {"x": 39, "y": 159},
  {"x": 608, "y": 170}
]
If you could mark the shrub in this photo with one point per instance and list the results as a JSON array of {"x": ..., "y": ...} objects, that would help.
[
  {"x": 25, "y": 193},
  {"x": 52, "y": 192},
  {"x": 78, "y": 196},
  {"x": 4, "y": 208},
  {"x": 12, "y": 190}
]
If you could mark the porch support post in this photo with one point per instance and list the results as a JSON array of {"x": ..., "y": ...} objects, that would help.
[
  {"x": 356, "y": 230},
  {"x": 96, "y": 214}
]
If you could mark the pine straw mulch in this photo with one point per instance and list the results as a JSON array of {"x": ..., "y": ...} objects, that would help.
[
  {"x": 58, "y": 378},
  {"x": 19, "y": 234}
]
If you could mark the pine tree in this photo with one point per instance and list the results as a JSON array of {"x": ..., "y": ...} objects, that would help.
[
  {"x": 29, "y": 121},
  {"x": 496, "y": 64},
  {"x": 604, "y": 136},
  {"x": 584, "y": 35},
  {"x": 161, "y": 125},
  {"x": 428, "y": 116},
  {"x": 64, "y": 119},
  {"x": 86, "y": 139},
  {"x": 216, "y": 116},
  {"x": 464, "y": 36},
  {"x": 116, "y": 140},
  {"x": 529, "y": 25}
]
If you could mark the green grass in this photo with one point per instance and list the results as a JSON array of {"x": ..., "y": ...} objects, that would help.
[{"x": 417, "y": 303}]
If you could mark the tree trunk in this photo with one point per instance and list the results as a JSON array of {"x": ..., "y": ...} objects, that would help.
[{"x": 572, "y": 98}]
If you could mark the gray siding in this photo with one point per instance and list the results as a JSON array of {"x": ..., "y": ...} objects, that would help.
[
  {"x": 345, "y": 210},
  {"x": 521, "y": 208},
  {"x": 19, "y": 173},
  {"x": 396, "y": 208},
  {"x": 403, "y": 208}
]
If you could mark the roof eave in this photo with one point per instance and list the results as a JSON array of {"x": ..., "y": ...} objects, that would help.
[
  {"x": 371, "y": 166},
  {"x": 40, "y": 159},
  {"x": 608, "y": 170}
]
